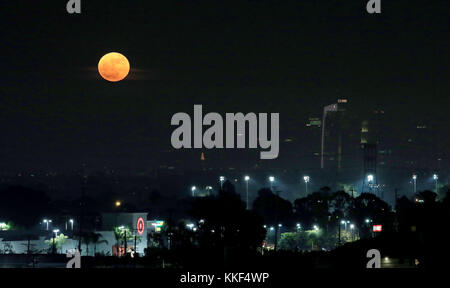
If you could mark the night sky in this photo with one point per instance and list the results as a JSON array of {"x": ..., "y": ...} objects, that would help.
[{"x": 295, "y": 57}]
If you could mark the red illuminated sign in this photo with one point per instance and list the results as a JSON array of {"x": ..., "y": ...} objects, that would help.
[
  {"x": 377, "y": 228},
  {"x": 140, "y": 225}
]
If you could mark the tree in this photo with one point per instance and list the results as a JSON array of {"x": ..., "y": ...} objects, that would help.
[
  {"x": 339, "y": 204},
  {"x": 312, "y": 209},
  {"x": 272, "y": 208},
  {"x": 92, "y": 238},
  {"x": 96, "y": 241},
  {"x": 369, "y": 206},
  {"x": 57, "y": 242},
  {"x": 428, "y": 196},
  {"x": 226, "y": 222}
]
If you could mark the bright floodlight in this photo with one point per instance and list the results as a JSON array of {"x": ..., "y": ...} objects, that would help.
[
  {"x": 56, "y": 230},
  {"x": 342, "y": 222},
  {"x": 315, "y": 227},
  {"x": 193, "y": 188},
  {"x": 71, "y": 220},
  {"x": 279, "y": 225},
  {"x": 247, "y": 178},
  {"x": 271, "y": 178},
  {"x": 414, "y": 176},
  {"x": 221, "y": 178},
  {"x": 306, "y": 178},
  {"x": 370, "y": 178},
  {"x": 352, "y": 226},
  {"x": 435, "y": 176},
  {"x": 367, "y": 220}
]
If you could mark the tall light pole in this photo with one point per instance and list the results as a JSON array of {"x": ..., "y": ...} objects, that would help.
[
  {"x": 306, "y": 179},
  {"x": 193, "y": 188},
  {"x": 435, "y": 178},
  {"x": 221, "y": 179},
  {"x": 47, "y": 222},
  {"x": 54, "y": 238},
  {"x": 352, "y": 228},
  {"x": 414, "y": 177},
  {"x": 370, "y": 182},
  {"x": 271, "y": 180},
  {"x": 247, "y": 178}
]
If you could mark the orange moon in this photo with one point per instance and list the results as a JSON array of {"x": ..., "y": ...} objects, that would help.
[{"x": 113, "y": 67}]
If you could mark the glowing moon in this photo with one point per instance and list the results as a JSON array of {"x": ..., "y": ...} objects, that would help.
[{"x": 113, "y": 67}]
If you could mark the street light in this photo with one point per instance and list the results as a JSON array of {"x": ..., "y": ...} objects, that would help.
[
  {"x": 345, "y": 224},
  {"x": 352, "y": 227},
  {"x": 71, "y": 223},
  {"x": 316, "y": 228},
  {"x": 435, "y": 178},
  {"x": 271, "y": 180},
  {"x": 47, "y": 222},
  {"x": 306, "y": 179},
  {"x": 246, "y": 178},
  {"x": 370, "y": 182},
  {"x": 54, "y": 238},
  {"x": 221, "y": 179},
  {"x": 414, "y": 177},
  {"x": 193, "y": 188},
  {"x": 118, "y": 203}
]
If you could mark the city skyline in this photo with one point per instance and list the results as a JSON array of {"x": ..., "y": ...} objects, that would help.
[{"x": 59, "y": 114}]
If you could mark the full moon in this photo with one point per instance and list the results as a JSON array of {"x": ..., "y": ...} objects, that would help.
[{"x": 113, "y": 67}]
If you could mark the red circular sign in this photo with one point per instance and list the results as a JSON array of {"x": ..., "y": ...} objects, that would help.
[{"x": 140, "y": 225}]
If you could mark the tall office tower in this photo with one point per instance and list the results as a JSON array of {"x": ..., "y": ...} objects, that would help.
[{"x": 341, "y": 150}]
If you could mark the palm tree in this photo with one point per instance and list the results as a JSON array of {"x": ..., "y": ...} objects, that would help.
[
  {"x": 96, "y": 240},
  {"x": 92, "y": 238}
]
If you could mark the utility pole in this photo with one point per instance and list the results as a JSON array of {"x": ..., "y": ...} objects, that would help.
[
  {"x": 125, "y": 240},
  {"x": 277, "y": 222},
  {"x": 339, "y": 241},
  {"x": 82, "y": 206},
  {"x": 135, "y": 243}
]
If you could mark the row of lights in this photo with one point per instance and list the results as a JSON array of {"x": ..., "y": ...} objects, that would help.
[
  {"x": 370, "y": 179},
  {"x": 298, "y": 226},
  {"x": 48, "y": 221},
  {"x": 414, "y": 178}
]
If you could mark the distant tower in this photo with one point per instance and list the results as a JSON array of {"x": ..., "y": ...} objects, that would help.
[
  {"x": 203, "y": 161},
  {"x": 326, "y": 109}
]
